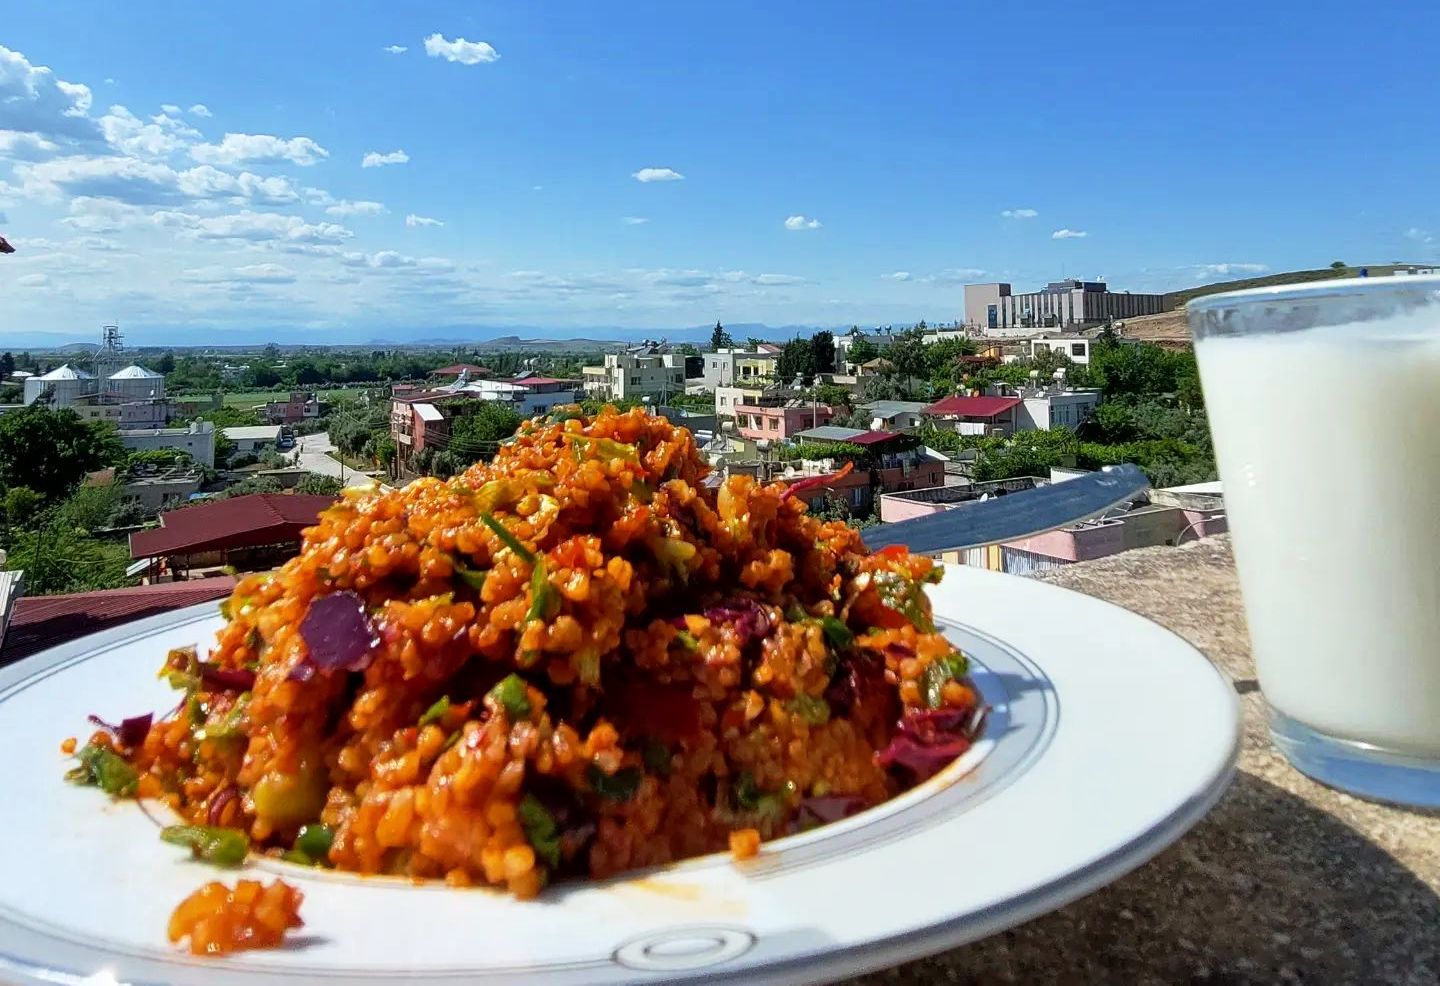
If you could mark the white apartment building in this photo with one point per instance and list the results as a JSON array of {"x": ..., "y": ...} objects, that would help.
[
  {"x": 843, "y": 364},
  {"x": 634, "y": 376},
  {"x": 735, "y": 367},
  {"x": 198, "y": 440},
  {"x": 1055, "y": 408},
  {"x": 1075, "y": 347}
]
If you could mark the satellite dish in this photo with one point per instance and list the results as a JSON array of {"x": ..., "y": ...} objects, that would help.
[{"x": 1034, "y": 374}]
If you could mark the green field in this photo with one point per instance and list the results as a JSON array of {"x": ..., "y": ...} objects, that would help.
[{"x": 251, "y": 398}]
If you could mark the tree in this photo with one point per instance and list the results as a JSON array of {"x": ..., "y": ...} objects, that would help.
[
  {"x": 7, "y": 365},
  {"x": 907, "y": 356},
  {"x": 797, "y": 359},
  {"x": 490, "y": 422},
  {"x": 254, "y": 484},
  {"x": 822, "y": 345},
  {"x": 687, "y": 349},
  {"x": 260, "y": 375},
  {"x": 1338, "y": 265},
  {"x": 58, "y": 557},
  {"x": 21, "y": 504},
  {"x": 319, "y": 485},
  {"x": 862, "y": 350},
  {"x": 90, "y": 508},
  {"x": 753, "y": 343},
  {"x": 50, "y": 451},
  {"x": 165, "y": 364},
  {"x": 720, "y": 339},
  {"x": 834, "y": 396}
]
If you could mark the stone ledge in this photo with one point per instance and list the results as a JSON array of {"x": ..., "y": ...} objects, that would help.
[{"x": 1285, "y": 881}]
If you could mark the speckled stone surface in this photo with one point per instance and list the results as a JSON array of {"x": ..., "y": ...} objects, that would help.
[{"x": 1286, "y": 881}]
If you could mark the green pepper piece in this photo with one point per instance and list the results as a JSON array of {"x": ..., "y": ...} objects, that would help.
[
  {"x": 619, "y": 786},
  {"x": 543, "y": 598},
  {"x": 473, "y": 577},
  {"x": 687, "y": 640},
  {"x": 221, "y": 846},
  {"x": 747, "y": 792},
  {"x": 511, "y": 695},
  {"x": 436, "y": 712},
  {"x": 314, "y": 841},
  {"x": 106, "y": 770},
  {"x": 225, "y": 609},
  {"x": 836, "y": 632},
  {"x": 811, "y": 708},
  {"x": 540, "y": 830},
  {"x": 510, "y": 540},
  {"x": 297, "y": 857}
]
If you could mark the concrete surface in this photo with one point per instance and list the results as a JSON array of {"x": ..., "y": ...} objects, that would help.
[{"x": 1285, "y": 881}]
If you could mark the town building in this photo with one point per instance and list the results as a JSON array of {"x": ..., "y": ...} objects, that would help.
[
  {"x": 843, "y": 363},
  {"x": 776, "y": 420},
  {"x": 298, "y": 407},
  {"x": 1062, "y": 304},
  {"x": 253, "y": 439},
  {"x": 65, "y": 385},
  {"x": 163, "y": 490},
  {"x": 1055, "y": 407},
  {"x": 888, "y": 462},
  {"x": 728, "y": 398},
  {"x": 635, "y": 376},
  {"x": 894, "y": 415},
  {"x": 197, "y": 440},
  {"x": 472, "y": 371},
  {"x": 738, "y": 368},
  {"x": 975, "y": 415},
  {"x": 1075, "y": 348},
  {"x": 1167, "y": 516},
  {"x": 248, "y": 533}
]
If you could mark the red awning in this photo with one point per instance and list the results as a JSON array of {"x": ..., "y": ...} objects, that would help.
[
  {"x": 971, "y": 407},
  {"x": 241, "y": 522}
]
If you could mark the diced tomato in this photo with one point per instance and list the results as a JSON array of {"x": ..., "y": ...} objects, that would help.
[{"x": 648, "y": 708}]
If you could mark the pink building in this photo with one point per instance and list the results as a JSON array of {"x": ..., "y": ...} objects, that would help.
[{"x": 779, "y": 423}]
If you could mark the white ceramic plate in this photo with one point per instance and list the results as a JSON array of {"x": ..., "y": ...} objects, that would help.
[{"x": 1109, "y": 737}]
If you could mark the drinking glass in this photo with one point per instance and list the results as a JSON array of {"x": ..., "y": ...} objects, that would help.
[{"x": 1324, "y": 406}]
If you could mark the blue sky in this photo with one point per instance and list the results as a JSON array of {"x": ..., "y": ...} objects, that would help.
[{"x": 199, "y": 166}]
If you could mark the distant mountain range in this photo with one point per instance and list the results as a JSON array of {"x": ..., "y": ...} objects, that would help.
[{"x": 528, "y": 337}]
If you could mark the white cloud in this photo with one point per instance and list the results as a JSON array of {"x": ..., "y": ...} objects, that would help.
[
  {"x": 98, "y": 215},
  {"x": 347, "y": 208},
  {"x": 771, "y": 280},
  {"x": 20, "y": 145},
  {"x": 248, "y": 274},
  {"x": 1221, "y": 270},
  {"x": 236, "y": 149},
  {"x": 32, "y": 281},
  {"x": 161, "y": 137},
  {"x": 657, "y": 174},
  {"x": 374, "y": 159},
  {"x": 35, "y": 101},
  {"x": 899, "y": 275},
  {"x": 1019, "y": 213},
  {"x": 390, "y": 260},
  {"x": 460, "y": 50},
  {"x": 1419, "y": 235},
  {"x": 200, "y": 109},
  {"x": 413, "y": 221},
  {"x": 634, "y": 220},
  {"x": 136, "y": 182},
  {"x": 802, "y": 222},
  {"x": 954, "y": 275},
  {"x": 255, "y": 227},
  {"x": 170, "y": 109},
  {"x": 395, "y": 49},
  {"x": 1068, "y": 234}
]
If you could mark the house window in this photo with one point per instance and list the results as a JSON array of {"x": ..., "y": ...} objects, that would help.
[
  {"x": 857, "y": 496},
  {"x": 774, "y": 424},
  {"x": 1077, "y": 349}
]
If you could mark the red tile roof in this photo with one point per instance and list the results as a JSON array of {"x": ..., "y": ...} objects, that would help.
[
  {"x": 872, "y": 438},
  {"x": 972, "y": 407},
  {"x": 240, "y": 522},
  {"x": 524, "y": 381},
  {"x": 45, "y": 621}
]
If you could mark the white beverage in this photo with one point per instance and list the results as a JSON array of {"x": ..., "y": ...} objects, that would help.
[{"x": 1328, "y": 442}]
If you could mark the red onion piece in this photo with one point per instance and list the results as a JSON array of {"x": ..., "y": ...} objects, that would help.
[
  {"x": 218, "y": 801},
  {"x": 216, "y": 678},
  {"x": 832, "y": 808},
  {"x": 748, "y": 618},
  {"x": 924, "y": 761},
  {"x": 131, "y": 732},
  {"x": 338, "y": 635}
]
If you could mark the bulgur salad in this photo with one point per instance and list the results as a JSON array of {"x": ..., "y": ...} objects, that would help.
[{"x": 572, "y": 661}]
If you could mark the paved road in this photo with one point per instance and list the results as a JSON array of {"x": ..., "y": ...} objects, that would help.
[{"x": 312, "y": 453}]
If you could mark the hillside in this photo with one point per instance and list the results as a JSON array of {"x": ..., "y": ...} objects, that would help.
[{"x": 1177, "y": 299}]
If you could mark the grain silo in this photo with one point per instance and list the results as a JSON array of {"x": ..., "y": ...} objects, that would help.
[
  {"x": 134, "y": 383},
  {"x": 66, "y": 385}
]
